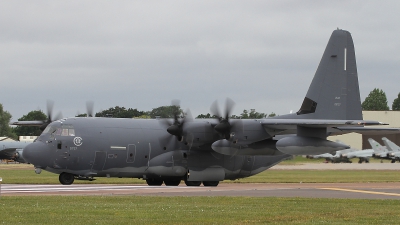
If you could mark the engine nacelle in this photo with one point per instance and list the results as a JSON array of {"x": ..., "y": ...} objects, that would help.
[
  {"x": 18, "y": 156},
  {"x": 264, "y": 147},
  {"x": 169, "y": 164},
  {"x": 308, "y": 146}
]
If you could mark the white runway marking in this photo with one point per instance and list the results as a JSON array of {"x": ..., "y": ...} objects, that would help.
[{"x": 73, "y": 188}]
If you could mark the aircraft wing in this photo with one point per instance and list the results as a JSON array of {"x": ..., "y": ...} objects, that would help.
[
  {"x": 368, "y": 130},
  {"x": 28, "y": 123},
  {"x": 283, "y": 124}
]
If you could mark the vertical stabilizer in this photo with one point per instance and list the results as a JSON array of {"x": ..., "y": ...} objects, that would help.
[
  {"x": 334, "y": 91},
  {"x": 390, "y": 145},
  {"x": 376, "y": 146}
]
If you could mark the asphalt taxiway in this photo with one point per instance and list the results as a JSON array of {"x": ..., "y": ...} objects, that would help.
[
  {"x": 309, "y": 190},
  {"x": 326, "y": 190}
]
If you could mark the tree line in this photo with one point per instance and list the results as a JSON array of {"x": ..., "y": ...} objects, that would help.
[{"x": 377, "y": 101}]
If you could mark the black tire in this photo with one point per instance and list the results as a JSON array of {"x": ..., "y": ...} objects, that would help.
[
  {"x": 393, "y": 161},
  {"x": 154, "y": 182},
  {"x": 192, "y": 183},
  {"x": 172, "y": 182},
  {"x": 66, "y": 178},
  {"x": 210, "y": 183}
]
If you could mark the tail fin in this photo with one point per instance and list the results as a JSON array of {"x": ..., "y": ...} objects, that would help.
[
  {"x": 390, "y": 145},
  {"x": 375, "y": 145},
  {"x": 334, "y": 91}
]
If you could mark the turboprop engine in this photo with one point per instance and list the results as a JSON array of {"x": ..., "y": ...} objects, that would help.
[
  {"x": 264, "y": 147},
  {"x": 298, "y": 145}
]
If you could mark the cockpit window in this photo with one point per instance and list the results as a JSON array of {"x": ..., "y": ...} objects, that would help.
[
  {"x": 49, "y": 129},
  {"x": 64, "y": 130},
  {"x": 58, "y": 132},
  {"x": 71, "y": 132},
  {"x": 67, "y": 130}
]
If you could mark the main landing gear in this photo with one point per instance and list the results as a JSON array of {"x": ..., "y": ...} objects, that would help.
[{"x": 157, "y": 182}]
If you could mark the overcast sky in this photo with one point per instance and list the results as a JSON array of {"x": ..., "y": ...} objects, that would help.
[{"x": 143, "y": 54}]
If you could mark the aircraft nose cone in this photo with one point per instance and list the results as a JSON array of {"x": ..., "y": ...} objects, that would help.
[{"x": 36, "y": 154}]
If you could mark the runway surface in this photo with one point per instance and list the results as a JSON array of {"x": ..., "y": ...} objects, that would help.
[{"x": 334, "y": 190}]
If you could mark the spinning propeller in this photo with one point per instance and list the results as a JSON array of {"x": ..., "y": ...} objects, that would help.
[
  {"x": 89, "y": 108},
  {"x": 176, "y": 127},
  {"x": 226, "y": 127},
  {"x": 50, "y": 119}
]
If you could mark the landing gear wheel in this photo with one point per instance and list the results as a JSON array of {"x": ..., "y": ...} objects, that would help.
[
  {"x": 154, "y": 182},
  {"x": 192, "y": 183},
  {"x": 172, "y": 182},
  {"x": 210, "y": 183},
  {"x": 66, "y": 178}
]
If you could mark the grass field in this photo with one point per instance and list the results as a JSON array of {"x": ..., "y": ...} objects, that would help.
[
  {"x": 24, "y": 174},
  {"x": 194, "y": 210},
  {"x": 109, "y": 209}
]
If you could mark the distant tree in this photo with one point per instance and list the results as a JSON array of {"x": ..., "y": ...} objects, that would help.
[
  {"x": 166, "y": 112},
  {"x": 30, "y": 131},
  {"x": 253, "y": 114},
  {"x": 376, "y": 101},
  {"x": 396, "y": 103},
  {"x": 272, "y": 114},
  {"x": 118, "y": 112},
  {"x": 144, "y": 116},
  {"x": 207, "y": 116},
  {"x": 5, "y": 129}
]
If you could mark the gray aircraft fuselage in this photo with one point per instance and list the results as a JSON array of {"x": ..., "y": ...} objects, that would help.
[{"x": 110, "y": 147}]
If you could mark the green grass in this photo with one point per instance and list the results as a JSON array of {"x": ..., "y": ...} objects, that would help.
[
  {"x": 300, "y": 160},
  {"x": 26, "y": 175},
  {"x": 322, "y": 176},
  {"x": 194, "y": 210}
]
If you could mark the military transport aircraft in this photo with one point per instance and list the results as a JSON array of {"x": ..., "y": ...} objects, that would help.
[
  {"x": 362, "y": 155},
  {"x": 393, "y": 150},
  {"x": 209, "y": 150},
  {"x": 334, "y": 158}
]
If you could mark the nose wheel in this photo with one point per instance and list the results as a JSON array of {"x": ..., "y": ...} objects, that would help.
[{"x": 66, "y": 178}]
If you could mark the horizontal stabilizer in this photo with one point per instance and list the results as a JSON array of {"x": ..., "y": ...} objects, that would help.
[
  {"x": 370, "y": 130},
  {"x": 28, "y": 123}
]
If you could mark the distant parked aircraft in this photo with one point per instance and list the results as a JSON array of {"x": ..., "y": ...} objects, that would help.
[
  {"x": 362, "y": 155},
  {"x": 12, "y": 150},
  {"x": 393, "y": 150},
  {"x": 336, "y": 158}
]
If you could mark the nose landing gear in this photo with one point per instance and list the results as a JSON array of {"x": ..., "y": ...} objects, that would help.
[{"x": 66, "y": 178}]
